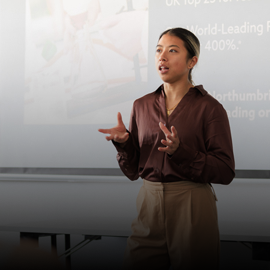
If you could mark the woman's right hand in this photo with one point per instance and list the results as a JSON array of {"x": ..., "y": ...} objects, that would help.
[{"x": 117, "y": 133}]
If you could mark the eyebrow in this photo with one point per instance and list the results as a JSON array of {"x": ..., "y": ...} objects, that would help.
[{"x": 169, "y": 46}]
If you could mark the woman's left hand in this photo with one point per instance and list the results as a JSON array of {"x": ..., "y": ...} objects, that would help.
[{"x": 172, "y": 141}]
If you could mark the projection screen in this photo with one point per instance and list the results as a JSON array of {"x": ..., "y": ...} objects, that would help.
[{"x": 67, "y": 68}]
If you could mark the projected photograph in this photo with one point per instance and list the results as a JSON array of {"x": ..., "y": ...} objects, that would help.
[{"x": 84, "y": 59}]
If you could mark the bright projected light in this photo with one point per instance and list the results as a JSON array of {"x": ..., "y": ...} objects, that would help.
[
  {"x": 68, "y": 66},
  {"x": 84, "y": 60}
]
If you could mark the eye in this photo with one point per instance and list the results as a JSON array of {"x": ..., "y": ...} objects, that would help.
[
  {"x": 173, "y": 50},
  {"x": 158, "y": 50}
]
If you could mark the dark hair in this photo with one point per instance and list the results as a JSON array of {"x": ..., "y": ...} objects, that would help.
[{"x": 191, "y": 43}]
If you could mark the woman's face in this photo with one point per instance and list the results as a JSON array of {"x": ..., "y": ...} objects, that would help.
[{"x": 171, "y": 59}]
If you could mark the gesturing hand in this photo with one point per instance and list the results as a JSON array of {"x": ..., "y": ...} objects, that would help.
[
  {"x": 172, "y": 141},
  {"x": 117, "y": 133}
]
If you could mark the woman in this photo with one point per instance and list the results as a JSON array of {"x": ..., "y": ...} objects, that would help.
[{"x": 179, "y": 142}]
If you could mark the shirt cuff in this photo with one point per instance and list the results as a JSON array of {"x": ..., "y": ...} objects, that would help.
[{"x": 124, "y": 147}]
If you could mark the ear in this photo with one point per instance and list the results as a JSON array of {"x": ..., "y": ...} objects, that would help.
[{"x": 192, "y": 62}]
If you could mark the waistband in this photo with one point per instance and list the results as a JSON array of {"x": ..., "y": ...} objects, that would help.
[{"x": 173, "y": 186}]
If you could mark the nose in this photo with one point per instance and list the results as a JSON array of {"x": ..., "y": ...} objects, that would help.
[{"x": 162, "y": 57}]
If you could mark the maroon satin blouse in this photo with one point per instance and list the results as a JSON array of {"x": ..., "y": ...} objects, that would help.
[{"x": 205, "y": 153}]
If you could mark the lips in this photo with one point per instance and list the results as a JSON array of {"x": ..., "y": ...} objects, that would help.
[{"x": 163, "y": 69}]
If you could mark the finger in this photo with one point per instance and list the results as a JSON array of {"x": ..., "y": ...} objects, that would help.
[
  {"x": 121, "y": 139},
  {"x": 167, "y": 143},
  {"x": 105, "y": 131},
  {"x": 119, "y": 119},
  {"x": 174, "y": 131},
  {"x": 163, "y": 149},
  {"x": 164, "y": 129},
  {"x": 126, "y": 136},
  {"x": 171, "y": 138},
  {"x": 109, "y": 138}
]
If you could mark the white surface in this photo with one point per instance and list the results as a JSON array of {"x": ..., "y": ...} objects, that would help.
[{"x": 232, "y": 63}]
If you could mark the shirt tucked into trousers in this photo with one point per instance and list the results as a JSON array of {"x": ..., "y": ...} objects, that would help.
[{"x": 177, "y": 217}]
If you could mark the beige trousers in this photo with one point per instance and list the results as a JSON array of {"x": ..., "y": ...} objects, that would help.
[{"x": 176, "y": 225}]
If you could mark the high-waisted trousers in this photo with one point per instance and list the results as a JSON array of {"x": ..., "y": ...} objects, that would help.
[{"x": 176, "y": 227}]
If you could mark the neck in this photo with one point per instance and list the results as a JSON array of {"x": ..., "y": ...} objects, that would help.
[{"x": 175, "y": 92}]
